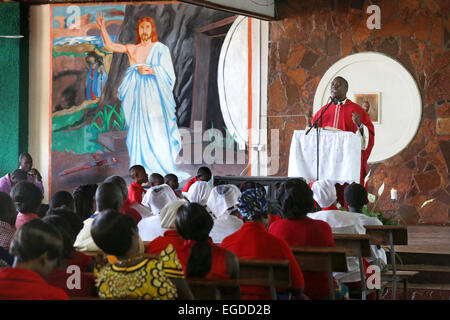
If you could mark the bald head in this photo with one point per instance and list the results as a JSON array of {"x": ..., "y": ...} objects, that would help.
[
  {"x": 120, "y": 182},
  {"x": 109, "y": 196}
]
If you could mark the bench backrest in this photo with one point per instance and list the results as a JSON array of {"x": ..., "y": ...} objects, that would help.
[
  {"x": 214, "y": 289},
  {"x": 351, "y": 243},
  {"x": 379, "y": 235},
  {"x": 320, "y": 259}
]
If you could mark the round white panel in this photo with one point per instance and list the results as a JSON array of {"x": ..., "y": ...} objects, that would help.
[
  {"x": 399, "y": 101},
  {"x": 232, "y": 80}
]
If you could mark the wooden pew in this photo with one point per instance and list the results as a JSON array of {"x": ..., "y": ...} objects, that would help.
[
  {"x": 214, "y": 289},
  {"x": 355, "y": 245},
  {"x": 266, "y": 273},
  {"x": 321, "y": 259},
  {"x": 391, "y": 236}
]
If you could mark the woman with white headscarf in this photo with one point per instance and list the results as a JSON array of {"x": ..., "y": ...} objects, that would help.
[
  {"x": 157, "y": 197},
  {"x": 199, "y": 192},
  {"x": 221, "y": 202},
  {"x": 167, "y": 218}
]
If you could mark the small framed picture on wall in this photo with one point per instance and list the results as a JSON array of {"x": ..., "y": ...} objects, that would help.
[{"x": 371, "y": 104}]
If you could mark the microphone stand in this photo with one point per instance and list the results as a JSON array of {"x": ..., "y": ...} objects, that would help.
[{"x": 316, "y": 125}]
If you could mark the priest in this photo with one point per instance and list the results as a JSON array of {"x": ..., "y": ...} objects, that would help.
[{"x": 343, "y": 114}]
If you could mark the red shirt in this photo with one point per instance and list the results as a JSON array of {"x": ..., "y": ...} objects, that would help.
[
  {"x": 82, "y": 260},
  {"x": 254, "y": 241},
  {"x": 160, "y": 243},
  {"x": 135, "y": 192},
  {"x": 307, "y": 232},
  {"x": 273, "y": 218},
  {"x": 189, "y": 184},
  {"x": 59, "y": 278},
  {"x": 24, "y": 284},
  {"x": 127, "y": 210},
  {"x": 218, "y": 265},
  {"x": 24, "y": 218},
  {"x": 340, "y": 117}
]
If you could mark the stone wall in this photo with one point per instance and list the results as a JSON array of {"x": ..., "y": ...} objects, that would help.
[{"x": 313, "y": 35}]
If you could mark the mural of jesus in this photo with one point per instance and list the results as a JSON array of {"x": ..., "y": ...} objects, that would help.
[{"x": 153, "y": 139}]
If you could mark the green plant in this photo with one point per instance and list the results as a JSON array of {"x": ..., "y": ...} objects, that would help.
[{"x": 107, "y": 121}]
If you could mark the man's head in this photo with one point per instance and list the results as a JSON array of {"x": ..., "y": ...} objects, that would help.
[
  {"x": 17, "y": 176},
  {"x": 138, "y": 174},
  {"x": 61, "y": 198},
  {"x": 109, "y": 196},
  {"x": 146, "y": 30},
  {"x": 339, "y": 88},
  {"x": 156, "y": 179},
  {"x": 8, "y": 212},
  {"x": 204, "y": 174},
  {"x": 172, "y": 181},
  {"x": 25, "y": 161},
  {"x": 356, "y": 197},
  {"x": 27, "y": 197},
  {"x": 121, "y": 183}
]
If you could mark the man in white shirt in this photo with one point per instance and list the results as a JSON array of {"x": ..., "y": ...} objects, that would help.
[
  {"x": 340, "y": 222},
  {"x": 107, "y": 196}
]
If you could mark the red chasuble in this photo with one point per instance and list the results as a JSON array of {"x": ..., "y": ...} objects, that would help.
[{"x": 340, "y": 117}]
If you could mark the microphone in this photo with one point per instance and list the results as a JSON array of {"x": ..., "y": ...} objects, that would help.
[{"x": 334, "y": 100}]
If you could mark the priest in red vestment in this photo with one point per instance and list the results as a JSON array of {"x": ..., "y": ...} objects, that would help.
[{"x": 346, "y": 115}]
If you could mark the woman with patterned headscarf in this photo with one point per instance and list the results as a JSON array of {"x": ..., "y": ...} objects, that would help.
[{"x": 254, "y": 241}]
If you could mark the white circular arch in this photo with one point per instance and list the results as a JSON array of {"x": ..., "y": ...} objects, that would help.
[{"x": 399, "y": 100}]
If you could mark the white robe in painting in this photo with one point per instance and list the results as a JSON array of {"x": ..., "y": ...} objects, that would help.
[{"x": 148, "y": 104}]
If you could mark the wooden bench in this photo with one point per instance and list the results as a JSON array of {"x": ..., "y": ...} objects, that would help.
[
  {"x": 266, "y": 273},
  {"x": 214, "y": 289},
  {"x": 321, "y": 259},
  {"x": 391, "y": 236},
  {"x": 355, "y": 245}
]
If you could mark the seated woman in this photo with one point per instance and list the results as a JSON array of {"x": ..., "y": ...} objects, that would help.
[
  {"x": 255, "y": 185},
  {"x": 61, "y": 198},
  {"x": 296, "y": 199},
  {"x": 7, "y": 220},
  {"x": 199, "y": 192},
  {"x": 253, "y": 241},
  {"x": 134, "y": 276},
  {"x": 222, "y": 201},
  {"x": 199, "y": 256},
  {"x": 37, "y": 247},
  {"x": 27, "y": 197},
  {"x": 84, "y": 200},
  {"x": 167, "y": 221},
  {"x": 64, "y": 276}
]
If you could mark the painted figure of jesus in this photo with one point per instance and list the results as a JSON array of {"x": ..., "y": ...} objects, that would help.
[{"x": 153, "y": 139}]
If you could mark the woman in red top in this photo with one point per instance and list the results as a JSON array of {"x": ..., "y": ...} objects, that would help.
[
  {"x": 253, "y": 241},
  {"x": 37, "y": 247},
  {"x": 167, "y": 216},
  {"x": 199, "y": 256},
  {"x": 296, "y": 199},
  {"x": 27, "y": 197},
  {"x": 69, "y": 225}
]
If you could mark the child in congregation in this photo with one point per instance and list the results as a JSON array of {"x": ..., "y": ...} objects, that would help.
[
  {"x": 8, "y": 181},
  {"x": 199, "y": 256},
  {"x": 156, "y": 180},
  {"x": 136, "y": 190},
  {"x": 172, "y": 181},
  {"x": 68, "y": 225},
  {"x": 84, "y": 200},
  {"x": 135, "y": 276},
  {"x": 107, "y": 196},
  {"x": 296, "y": 199},
  {"x": 37, "y": 247},
  {"x": 203, "y": 174},
  {"x": 222, "y": 203},
  {"x": 253, "y": 241},
  {"x": 61, "y": 198},
  {"x": 167, "y": 234},
  {"x": 27, "y": 198}
]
